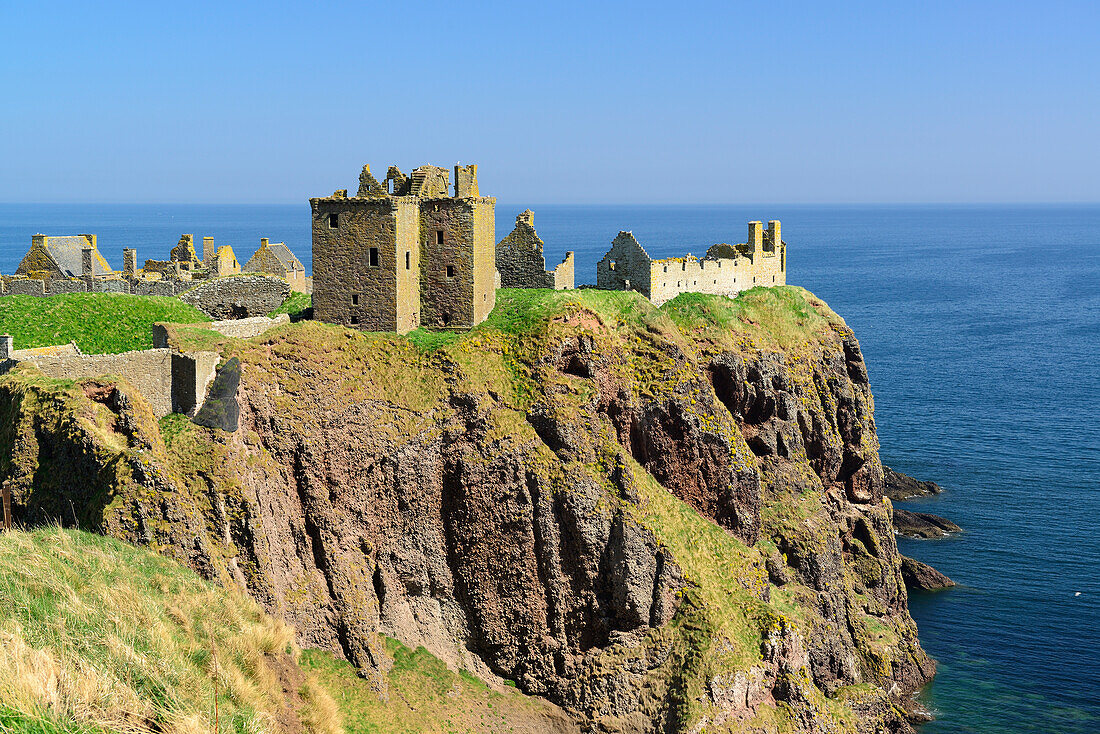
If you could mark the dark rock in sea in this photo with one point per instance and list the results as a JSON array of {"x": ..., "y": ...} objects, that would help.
[
  {"x": 922, "y": 577},
  {"x": 922, "y": 524},
  {"x": 902, "y": 486}
]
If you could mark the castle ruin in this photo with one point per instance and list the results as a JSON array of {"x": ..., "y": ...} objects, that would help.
[
  {"x": 522, "y": 264},
  {"x": 725, "y": 270},
  {"x": 405, "y": 253}
]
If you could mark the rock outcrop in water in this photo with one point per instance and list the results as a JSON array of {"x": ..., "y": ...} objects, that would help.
[
  {"x": 923, "y": 577},
  {"x": 922, "y": 524},
  {"x": 662, "y": 520},
  {"x": 901, "y": 487}
]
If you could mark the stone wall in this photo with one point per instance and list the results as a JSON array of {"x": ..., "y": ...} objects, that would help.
[
  {"x": 564, "y": 273},
  {"x": 239, "y": 296},
  {"x": 149, "y": 371},
  {"x": 159, "y": 287},
  {"x": 625, "y": 267},
  {"x": 55, "y": 286},
  {"x": 250, "y": 327},
  {"x": 192, "y": 374},
  {"x": 522, "y": 264}
]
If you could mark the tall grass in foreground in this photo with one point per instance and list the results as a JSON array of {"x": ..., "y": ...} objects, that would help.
[{"x": 98, "y": 636}]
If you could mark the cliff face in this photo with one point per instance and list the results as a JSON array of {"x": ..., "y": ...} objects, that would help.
[{"x": 660, "y": 519}]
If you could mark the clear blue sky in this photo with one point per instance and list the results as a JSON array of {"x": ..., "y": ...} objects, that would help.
[{"x": 792, "y": 102}]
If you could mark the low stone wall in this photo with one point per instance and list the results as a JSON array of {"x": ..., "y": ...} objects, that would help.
[
  {"x": 149, "y": 371},
  {"x": 16, "y": 287},
  {"x": 159, "y": 287},
  {"x": 246, "y": 328},
  {"x": 169, "y": 381},
  {"x": 239, "y": 296},
  {"x": 11, "y": 286}
]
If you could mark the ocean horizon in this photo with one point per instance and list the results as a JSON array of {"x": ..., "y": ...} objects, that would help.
[{"x": 979, "y": 325}]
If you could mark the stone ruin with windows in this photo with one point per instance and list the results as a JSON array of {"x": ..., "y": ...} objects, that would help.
[
  {"x": 725, "y": 270},
  {"x": 406, "y": 252}
]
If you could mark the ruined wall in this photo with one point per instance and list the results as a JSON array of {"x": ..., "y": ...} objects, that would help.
[
  {"x": 250, "y": 327},
  {"x": 564, "y": 277},
  {"x": 109, "y": 285},
  {"x": 626, "y": 266},
  {"x": 159, "y": 287},
  {"x": 239, "y": 296},
  {"x": 191, "y": 375},
  {"x": 726, "y": 270},
  {"x": 150, "y": 371},
  {"x": 18, "y": 286},
  {"x": 57, "y": 286},
  {"x": 347, "y": 289},
  {"x": 521, "y": 261}
]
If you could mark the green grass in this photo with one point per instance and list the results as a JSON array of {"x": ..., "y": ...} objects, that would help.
[
  {"x": 297, "y": 305},
  {"x": 784, "y": 316},
  {"x": 424, "y": 695},
  {"x": 96, "y": 635},
  {"x": 521, "y": 311},
  {"x": 99, "y": 323}
]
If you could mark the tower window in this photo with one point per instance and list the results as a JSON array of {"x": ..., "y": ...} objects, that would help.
[
  {"x": 611, "y": 265},
  {"x": 439, "y": 237},
  {"x": 355, "y": 299},
  {"x": 333, "y": 220},
  {"x": 450, "y": 271},
  {"x": 355, "y": 318},
  {"x": 408, "y": 260},
  {"x": 373, "y": 257}
]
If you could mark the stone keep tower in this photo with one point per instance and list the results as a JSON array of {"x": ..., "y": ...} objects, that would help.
[{"x": 405, "y": 254}]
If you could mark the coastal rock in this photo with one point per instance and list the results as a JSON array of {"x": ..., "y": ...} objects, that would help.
[
  {"x": 922, "y": 524},
  {"x": 903, "y": 487},
  {"x": 921, "y": 576}
]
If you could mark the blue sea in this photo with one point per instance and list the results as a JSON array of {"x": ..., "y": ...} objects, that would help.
[{"x": 980, "y": 326}]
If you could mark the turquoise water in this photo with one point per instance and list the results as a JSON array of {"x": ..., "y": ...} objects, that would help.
[{"x": 981, "y": 328}]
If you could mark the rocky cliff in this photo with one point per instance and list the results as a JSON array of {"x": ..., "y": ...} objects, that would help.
[{"x": 662, "y": 520}]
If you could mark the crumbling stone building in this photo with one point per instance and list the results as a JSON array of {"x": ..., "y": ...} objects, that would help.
[
  {"x": 277, "y": 259},
  {"x": 726, "y": 270},
  {"x": 521, "y": 262},
  {"x": 406, "y": 252},
  {"x": 65, "y": 256},
  {"x": 183, "y": 262}
]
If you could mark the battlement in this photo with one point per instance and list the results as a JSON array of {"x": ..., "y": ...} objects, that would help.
[{"x": 425, "y": 182}]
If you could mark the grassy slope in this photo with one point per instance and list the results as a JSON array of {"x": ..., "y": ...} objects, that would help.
[
  {"x": 98, "y": 636},
  {"x": 425, "y": 696},
  {"x": 99, "y": 323}
]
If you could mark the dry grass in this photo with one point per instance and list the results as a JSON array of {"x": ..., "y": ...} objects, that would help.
[{"x": 98, "y": 636}]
